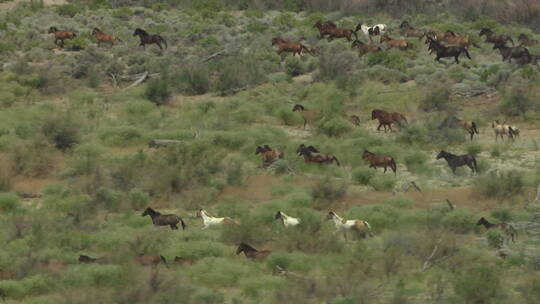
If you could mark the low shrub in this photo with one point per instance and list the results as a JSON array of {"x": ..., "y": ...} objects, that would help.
[
  {"x": 383, "y": 182},
  {"x": 478, "y": 284},
  {"x": 9, "y": 202},
  {"x": 62, "y": 130},
  {"x": 363, "y": 175},
  {"x": 327, "y": 190},
  {"x": 460, "y": 220},
  {"x": 159, "y": 90},
  {"x": 474, "y": 149},
  {"x": 194, "y": 80},
  {"x": 500, "y": 186}
]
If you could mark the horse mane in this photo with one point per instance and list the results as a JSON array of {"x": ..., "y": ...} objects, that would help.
[
  {"x": 278, "y": 215},
  {"x": 152, "y": 211},
  {"x": 141, "y": 31},
  {"x": 246, "y": 246},
  {"x": 299, "y": 106}
]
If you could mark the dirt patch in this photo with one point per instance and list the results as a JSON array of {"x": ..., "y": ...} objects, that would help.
[{"x": 258, "y": 188}]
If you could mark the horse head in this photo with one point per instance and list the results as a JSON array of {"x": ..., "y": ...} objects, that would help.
[
  {"x": 300, "y": 149},
  {"x": 330, "y": 215},
  {"x": 298, "y": 107},
  {"x": 276, "y": 40},
  {"x": 243, "y": 247},
  {"x": 318, "y": 24},
  {"x": 140, "y": 32},
  {"x": 481, "y": 221},
  {"x": 53, "y": 29},
  {"x": 148, "y": 211},
  {"x": 95, "y": 31},
  {"x": 404, "y": 24},
  {"x": 278, "y": 215},
  {"x": 199, "y": 213},
  {"x": 441, "y": 154},
  {"x": 485, "y": 31},
  {"x": 260, "y": 150}
]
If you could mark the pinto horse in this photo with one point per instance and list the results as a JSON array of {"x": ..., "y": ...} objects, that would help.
[
  {"x": 364, "y": 48},
  {"x": 342, "y": 225},
  {"x": 286, "y": 219},
  {"x": 312, "y": 155},
  {"x": 444, "y": 51},
  {"x": 101, "y": 37},
  {"x": 508, "y": 229},
  {"x": 395, "y": 43},
  {"x": 455, "y": 161},
  {"x": 379, "y": 161},
  {"x": 469, "y": 126},
  {"x": 387, "y": 119},
  {"x": 290, "y": 47},
  {"x": 332, "y": 31},
  {"x": 159, "y": 219},
  {"x": 209, "y": 221},
  {"x": 252, "y": 253},
  {"x": 269, "y": 155},
  {"x": 375, "y": 30},
  {"x": 491, "y": 37},
  {"x": 503, "y": 129},
  {"x": 61, "y": 35},
  {"x": 150, "y": 39}
]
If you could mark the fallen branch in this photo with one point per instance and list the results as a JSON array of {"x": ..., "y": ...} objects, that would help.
[
  {"x": 431, "y": 260},
  {"x": 450, "y": 205},
  {"x": 215, "y": 55},
  {"x": 138, "y": 81},
  {"x": 113, "y": 80}
]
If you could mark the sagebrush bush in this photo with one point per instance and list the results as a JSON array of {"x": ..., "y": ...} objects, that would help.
[
  {"x": 159, "y": 90},
  {"x": 478, "y": 284},
  {"x": 460, "y": 220},
  {"x": 9, "y": 202},
  {"x": 363, "y": 175},
  {"x": 327, "y": 190},
  {"x": 500, "y": 186},
  {"x": 383, "y": 182},
  {"x": 62, "y": 130},
  {"x": 194, "y": 79},
  {"x": 518, "y": 100}
]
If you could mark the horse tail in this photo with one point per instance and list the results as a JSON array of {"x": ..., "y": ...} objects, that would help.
[
  {"x": 510, "y": 38},
  {"x": 163, "y": 260},
  {"x": 467, "y": 53},
  {"x": 163, "y": 40},
  {"x": 182, "y": 223},
  {"x": 475, "y": 165},
  {"x": 337, "y": 161},
  {"x": 473, "y": 125},
  {"x": 393, "y": 165}
]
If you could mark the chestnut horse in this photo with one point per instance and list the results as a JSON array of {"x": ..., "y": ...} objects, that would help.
[
  {"x": 252, "y": 253},
  {"x": 290, "y": 47},
  {"x": 101, "y": 37},
  {"x": 269, "y": 155},
  {"x": 149, "y": 39},
  {"x": 61, "y": 35},
  {"x": 379, "y": 161},
  {"x": 324, "y": 27},
  {"x": 364, "y": 48},
  {"x": 333, "y": 31},
  {"x": 387, "y": 119},
  {"x": 409, "y": 31},
  {"x": 395, "y": 43}
]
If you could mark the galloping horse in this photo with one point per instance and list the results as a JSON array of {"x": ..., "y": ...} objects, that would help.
[
  {"x": 333, "y": 31},
  {"x": 491, "y": 37},
  {"x": 291, "y": 47},
  {"x": 375, "y": 30},
  {"x": 387, "y": 119},
  {"x": 364, "y": 48},
  {"x": 61, "y": 35},
  {"x": 287, "y": 220},
  {"x": 452, "y": 39},
  {"x": 503, "y": 129},
  {"x": 507, "y": 228},
  {"x": 101, "y": 37},
  {"x": 524, "y": 40},
  {"x": 409, "y": 31},
  {"x": 434, "y": 34},
  {"x": 269, "y": 155},
  {"x": 379, "y": 161},
  {"x": 519, "y": 52},
  {"x": 312, "y": 155},
  {"x": 395, "y": 43},
  {"x": 342, "y": 225},
  {"x": 469, "y": 126},
  {"x": 252, "y": 253},
  {"x": 443, "y": 51},
  {"x": 210, "y": 221},
  {"x": 159, "y": 219},
  {"x": 455, "y": 161},
  {"x": 308, "y": 115},
  {"x": 149, "y": 39}
]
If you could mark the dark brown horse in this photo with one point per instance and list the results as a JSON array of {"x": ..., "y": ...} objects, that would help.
[
  {"x": 150, "y": 39},
  {"x": 269, "y": 155},
  {"x": 324, "y": 27},
  {"x": 387, "y": 119},
  {"x": 524, "y": 40},
  {"x": 184, "y": 261},
  {"x": 365, "y": 48},
  {"x": 517, "y": 52},
  {"x": 312, "y": 155},
  {"x": 159, "y": 219},
  {"x": 61, "y": 35},
  {"x": 101, "y": 37},
  {"x": 507, "y": 228},
  {"x": 379, "y": 161},
  {"x": 84, "y": 259},
  {"x": 446, "y": 51},
  {"x": 332, "y": 31},
  {"x": 491, "y": 37},
  {"x": 150, "y": 259},
  {"x": 252, "y": 253},
  {"x": 455, "y": 161},
  {"x": 290, "y": 47}
]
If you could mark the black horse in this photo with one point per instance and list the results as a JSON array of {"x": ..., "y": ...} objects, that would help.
[
  {"x": 444, "y": 51},
  {"x": 455, "y": 161},
  {"x": 518, "y": 52},
  {"x": 159, "y": 219},
  {"x": 150, "y": 39}
]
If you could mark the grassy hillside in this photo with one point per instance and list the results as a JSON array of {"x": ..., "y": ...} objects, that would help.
[{"x": 76, "y": 170}]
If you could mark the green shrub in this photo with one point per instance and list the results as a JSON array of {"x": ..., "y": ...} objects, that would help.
[
  {"x": 500, "y": 186},
  {"x": 122, "y": 13},
  {"x": 121, "y": 136},
  {"x": 194, "y": 80},
  {"x": 495, "y": 238},
  {"x": 334, "y": 62},
  {"x": 9, "y": 202},
  {"x": 363, "y": 175},
  {"x": 159, "y": 90},
  {"x": 334, "y": 127},
  {"x": 416, "y": 162},
  {"x": 391, "y": 59},
  {"x": 383, "y": 182},
  {"x": 437, "y": 100},
  {"x": 474, "y": 149},
  {"x": 414, "y": 135},
  {"x": 62, "y": 131},
  {"x": 460, "y": 220},
  {"x": 328, "y": 190},
  {"x": 69, "y": 10},
  {"x": 478, "y": 284},
  {"x": 138, "y": 199},
  {"x": 503, "y": 214},
  {"x": 518, "y": 100},
  {"x": 399, "y": 201}
]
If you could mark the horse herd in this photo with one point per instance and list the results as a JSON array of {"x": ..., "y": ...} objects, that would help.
[
  {"x": 359, "y": 227},
  {"x": 443, "y": 44}
]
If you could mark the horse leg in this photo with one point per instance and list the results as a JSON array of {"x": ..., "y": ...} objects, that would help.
[
  {"x": 384, "y": 169},
  {"x": 456, "y": 58},
  {"x": 454, "y": 170},
  {"x": 174, "y": 227},
  {"x": 379, "y": 127}
]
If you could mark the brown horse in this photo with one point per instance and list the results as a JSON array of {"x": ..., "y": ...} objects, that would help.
[
  {"x": 61, "y": 35},
  {"x": 149, "y": 39},
  {"x": 395, "y": 43},
  {"x": 84, "y": 259},
  {"x": 387, "y": 119},
  {"x": 452, "y": 38},
  {"x": 150, "y": 260},
  {"x": 409, "y": 31},
  {"x": 308, "y": 115},
  {"x": 332, "y": 31},
  {"x": 491, "y": 37},
  {"x": 101, "y": 37},
  {"x": 524, "y": 40},
  {"x": 184, "y": 261},
  {"x": 434, "y": 34},
  {"x": 290, "y": 47},
  {"x": 508, "y": 229},
  {"x": 324, "y": 27},
  {"x": 252, "y": 253},
  {"x": 518, "y": 52},
  {"x": 312, "y": 155},
  {"x": 379, "y": 161},
  {"x": 269, "y": 155},
  {"x": 469, "y": 126},
  {"x": 365, "y": 48}
]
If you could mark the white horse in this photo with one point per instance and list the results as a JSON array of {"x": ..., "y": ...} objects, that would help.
[
  {"x": 375, "y": 30},
  {"x": 287, "y": 220},
  {"x": 342, "y": 225},
  {"x": 503, "y": 129},
  {"x": 209, "y": 221}
]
